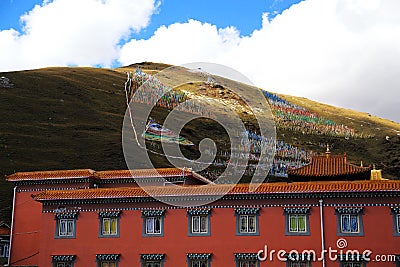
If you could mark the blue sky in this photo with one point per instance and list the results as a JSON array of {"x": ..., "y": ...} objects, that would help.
[
  {"x": 11, "y": 10},
  {"x": 341, "y": 52},
  {"x": 244, "y": 15}
]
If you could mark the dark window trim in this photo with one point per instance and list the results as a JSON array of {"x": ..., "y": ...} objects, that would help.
[
  {"x": 152, "y": 257},
  {"x": 395, "y": 211},
  {"x": 100, "y": 258},
  {"x": 63, "y": 258},
  {"x": 198, "y": 256},
  {"x": 246, "y": 257}
]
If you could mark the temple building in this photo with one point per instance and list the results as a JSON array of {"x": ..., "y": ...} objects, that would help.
[
  {"x": 104, "y": 219},
  {"x": 329, "y": 168}
]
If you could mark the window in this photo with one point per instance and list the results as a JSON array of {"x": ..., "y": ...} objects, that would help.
[
  {"x": 152, "y": 260},
  {"x": 247, "y": 221},
  {"x": 153, "y": 222},
  {"x": 397, "y": 260},
  {"x": 352, "y": 264},
  {"x": 4, "y": 250},
  {"x": 299, "y": 260},
  {"x": 396, "y": 220},
  {"x": 152, "y": 264},
  {"x": 296, "y": 221},
  {"x": 66, "y": 225},
  {"x": 199, "y": 222},
  {"x": 199, "y": 263},
  {"x": 199, "y": 259},
  {"x": 246, "y": 260},
  {"x": 153, "y": 225},
  {"x": 299, "y": 264},
  {"x": 107, "y": 264},
  {"x": 63, "y": 260},
  {"x": 349, "y": 221},
  {"x": 352, "y": 260},
  {"x": 247, "y": 263},
  {"x": 107, "y": 260},
  {"x": 398, "y": 223},
  {"x": 109, "y": 224}
]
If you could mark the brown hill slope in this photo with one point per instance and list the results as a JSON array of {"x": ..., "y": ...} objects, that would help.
[{"x": 64, "y": 118}]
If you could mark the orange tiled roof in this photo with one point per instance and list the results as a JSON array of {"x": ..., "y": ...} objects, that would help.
[
  {"x": 142, "y": 173},
  {"x": 58, "y": 174},
  {"x": 83, "y": 173},
  {"x": 265, "y": 188},
  {"x": 328, "y": 166}
]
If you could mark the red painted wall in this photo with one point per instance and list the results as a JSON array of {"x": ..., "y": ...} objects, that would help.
[
  {"x": 27, "y": 223},
  {"x": 26, "y": 230},
  {"x": 223, "y": 242}
]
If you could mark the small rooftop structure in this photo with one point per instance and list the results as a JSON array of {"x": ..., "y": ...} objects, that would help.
[
  {"x": 329, "y": 168},
  {"x": 376, "y": 174}
]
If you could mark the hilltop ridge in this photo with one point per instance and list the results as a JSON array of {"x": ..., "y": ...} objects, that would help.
[{"x": 71, "y": 117}]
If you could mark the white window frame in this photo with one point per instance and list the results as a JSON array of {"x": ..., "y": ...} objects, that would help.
[
  {"x": 300, "y": 264},
  {"x": 153, "y": 219},
  {"x": 109, "y": 232},
  {"x": 151, "y": 263},
  {"x": 297, "y": 216},
  {"x": 66, "y": 224},
  {"x": 352, "y": 264},
  {"x": 247, "y": 228},
  {"x": 63, "y": 264},
  {"x": 198, "y": 262},
  {"x": 202, "y": 221},
  {"x": 107, "y": 263},
  {"x": 245, "y": 263},
  {"x": 350, "y": 216}
]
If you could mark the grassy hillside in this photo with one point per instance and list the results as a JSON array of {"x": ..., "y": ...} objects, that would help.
[
  {"x": 65, "y": 118},
  {"x": 381, "y": 146}
]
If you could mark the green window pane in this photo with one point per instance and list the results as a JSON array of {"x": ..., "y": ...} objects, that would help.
[
  {"x": 293, "y": 223},
  {"x": 302, "y": 223}
]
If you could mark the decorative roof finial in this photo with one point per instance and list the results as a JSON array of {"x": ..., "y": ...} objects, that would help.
[{"x": 328, "y": 152}]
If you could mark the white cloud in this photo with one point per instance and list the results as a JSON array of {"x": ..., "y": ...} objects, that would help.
[
  {"x": 181, "y": 43},
  {"x": 342, "y": 52},
  {"x": 73, "y": 32}
]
